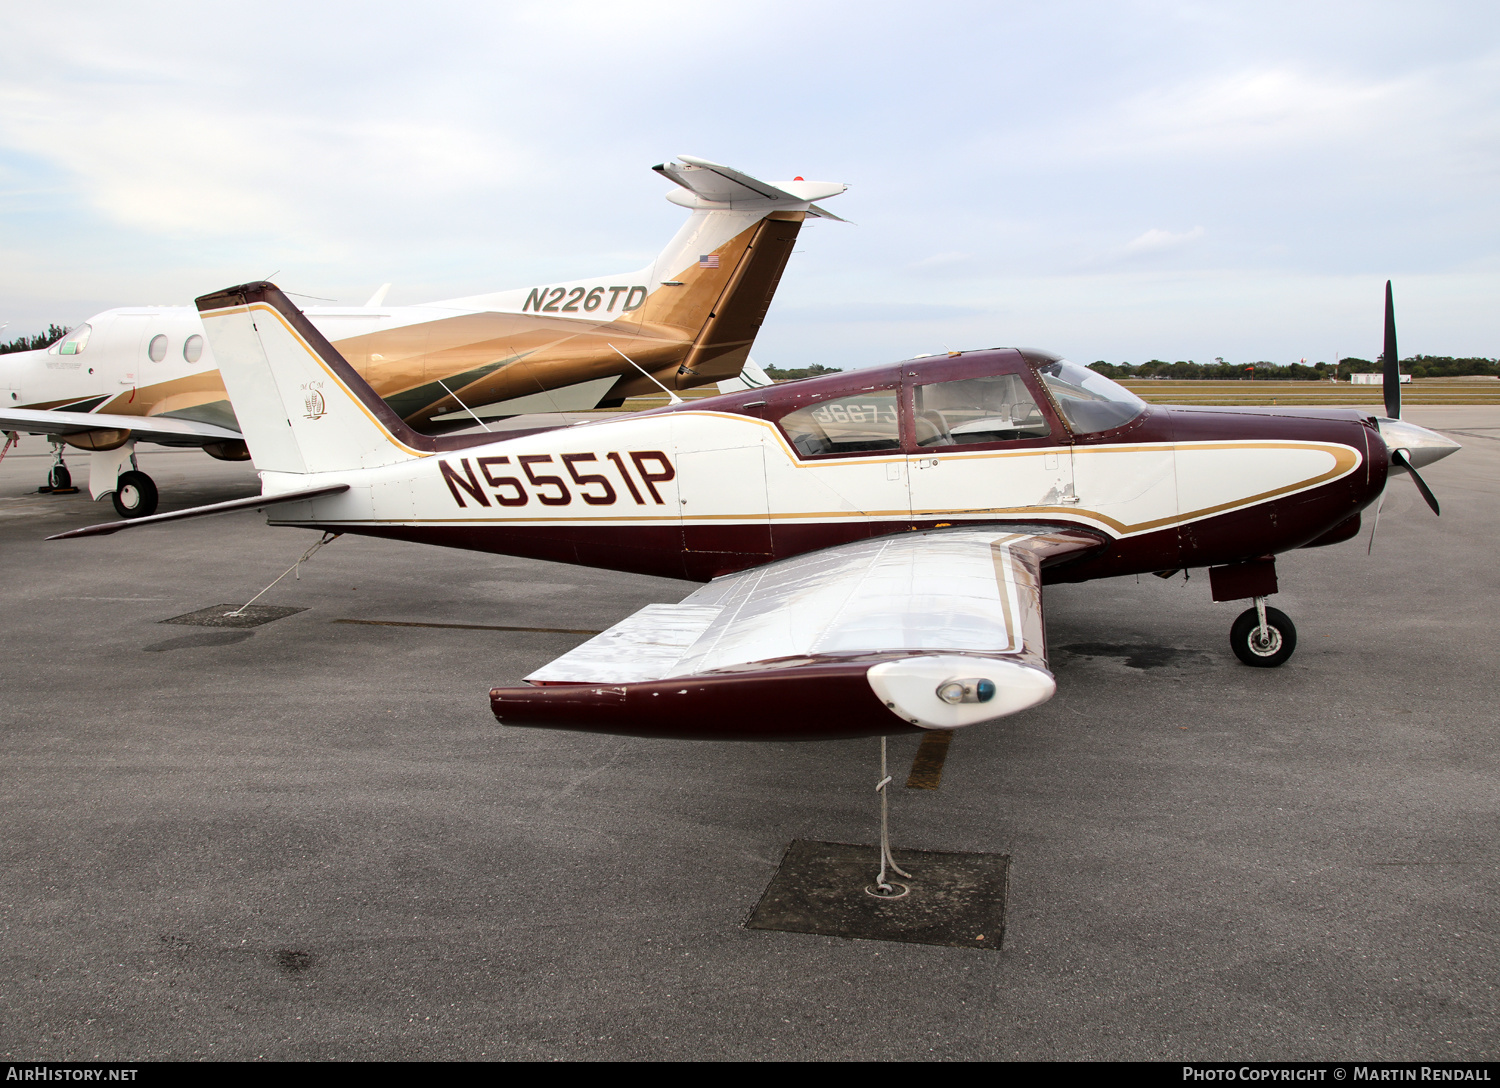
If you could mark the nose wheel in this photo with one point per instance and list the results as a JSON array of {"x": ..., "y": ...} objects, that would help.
[
  {"x": 59, "y": 479},
  {"x": 1263, "y": 637},
  {"x": 134, "y": 495}
]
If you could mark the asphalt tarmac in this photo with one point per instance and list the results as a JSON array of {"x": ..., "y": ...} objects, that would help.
[{"x": 312, "y": 839}]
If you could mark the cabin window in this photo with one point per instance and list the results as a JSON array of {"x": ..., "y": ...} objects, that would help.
[
  {"x": 862, "y": 423},
  {"x": 73, "y": 343},
  {"x": 1089, "y": 401},
  {"x": 157, "y": 349},
  {"x": 992, "y": 408},
  {"x": 192, "y": 349}
]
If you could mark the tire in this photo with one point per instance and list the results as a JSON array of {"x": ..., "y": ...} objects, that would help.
[
  {"x": 59, "y": 478},
  {"x": 1282, "y": 643},
  {"x": 134, "y": 495}
]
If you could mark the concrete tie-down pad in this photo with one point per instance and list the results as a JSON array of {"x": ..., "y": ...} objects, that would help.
[
  {"x": 942, "y": 629},
  {"x": 826, "y": 888}
]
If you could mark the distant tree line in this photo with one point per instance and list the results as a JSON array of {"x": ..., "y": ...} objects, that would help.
[
  {"x": 53, "y": 334},
  {"x": 1418, "y": 366},
  {"x": 777, "y": 374}
]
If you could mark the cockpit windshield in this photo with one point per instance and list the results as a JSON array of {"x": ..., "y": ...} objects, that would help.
[
  {"x": 73, "y": 343},
  {"x": 1090, "y": 401}
]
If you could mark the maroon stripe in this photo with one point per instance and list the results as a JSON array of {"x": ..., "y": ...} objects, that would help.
[{"x": 808, "y": 702}]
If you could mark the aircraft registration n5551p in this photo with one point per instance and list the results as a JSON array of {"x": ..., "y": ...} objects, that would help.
[
  {"x": 687, "y": 319},
  {"x": 874, "y": 543}
]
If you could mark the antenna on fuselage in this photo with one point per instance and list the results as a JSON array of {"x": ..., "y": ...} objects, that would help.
[
  {"x": 461, "y": 404},
  {"x": 671, "y": 396}
]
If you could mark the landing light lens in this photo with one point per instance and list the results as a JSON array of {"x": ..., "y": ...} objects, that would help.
[{"x": 975, "y": 690}]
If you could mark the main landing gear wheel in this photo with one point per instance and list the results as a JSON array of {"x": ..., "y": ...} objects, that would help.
[
  {"x": 1263, "y": 650},
  {"x": 134, "y": 495},
  {"x": 59, "y": 478}
]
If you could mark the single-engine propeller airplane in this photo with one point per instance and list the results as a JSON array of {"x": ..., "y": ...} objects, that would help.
[
  {"x": 875, "y": 542},
  {"x": 687, "y": 319}
]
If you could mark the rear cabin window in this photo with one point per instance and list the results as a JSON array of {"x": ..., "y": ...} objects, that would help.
[
  {"x": 994, "y": 408},
  {"x": 862, "y": 423}
]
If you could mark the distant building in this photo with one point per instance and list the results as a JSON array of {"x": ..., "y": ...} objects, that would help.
[{"x": 1375, "y": 379}]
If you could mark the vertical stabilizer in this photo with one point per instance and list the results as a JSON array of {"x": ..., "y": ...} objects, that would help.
[{"x": 301, "y": 406}]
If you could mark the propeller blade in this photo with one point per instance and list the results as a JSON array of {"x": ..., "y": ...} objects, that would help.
[
  {"x": 1392, "y": 381},
  {"x": 1375, "y": 526},
  {"x": 1399, "y": 456}
]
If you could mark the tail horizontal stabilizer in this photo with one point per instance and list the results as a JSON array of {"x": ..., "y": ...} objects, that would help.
[{"x": 713, "y": 184}]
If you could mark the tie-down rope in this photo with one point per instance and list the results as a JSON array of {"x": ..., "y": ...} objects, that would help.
[
  {"x": 328, "y": 538},
  {"x": 883, "y": 886}
]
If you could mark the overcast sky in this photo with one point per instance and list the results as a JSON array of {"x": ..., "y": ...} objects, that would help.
[{"x": 1113, "y": 180}]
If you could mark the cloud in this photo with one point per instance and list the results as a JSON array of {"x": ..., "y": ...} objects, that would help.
[{"x": 1156, "y": 240}]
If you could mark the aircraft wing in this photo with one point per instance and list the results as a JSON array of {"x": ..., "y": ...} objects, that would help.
[
  {"x": 929, "y": 630},
  {"x": 165, "y": 430}
]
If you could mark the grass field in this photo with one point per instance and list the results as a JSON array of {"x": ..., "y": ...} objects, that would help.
[{"x": 1419, "y": 391}]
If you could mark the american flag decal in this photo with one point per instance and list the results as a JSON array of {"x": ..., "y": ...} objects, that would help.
[{"x": 708, "y": 260}]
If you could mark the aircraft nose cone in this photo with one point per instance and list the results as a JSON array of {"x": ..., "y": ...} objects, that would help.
[{"x": 1422, "y": 446}]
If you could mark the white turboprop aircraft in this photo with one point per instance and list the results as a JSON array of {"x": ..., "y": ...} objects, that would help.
[{"x": 687, "y": 319}]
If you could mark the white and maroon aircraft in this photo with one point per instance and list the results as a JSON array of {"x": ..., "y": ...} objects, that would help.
[
  {"x": 874, "y": 543},
  {"x": 687, "y": 319}
]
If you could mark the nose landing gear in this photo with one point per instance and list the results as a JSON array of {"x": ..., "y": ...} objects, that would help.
[
  {"x": 1263, "y": 637},
  {"x": 59, "y": 479}
]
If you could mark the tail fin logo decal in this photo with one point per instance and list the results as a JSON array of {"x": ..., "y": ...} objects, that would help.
[{"x": 312, "y": 400}]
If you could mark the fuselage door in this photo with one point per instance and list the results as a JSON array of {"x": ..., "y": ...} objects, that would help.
[
  {"x": 985, "y": 441},
  {"x": 125, "y": 349},
  {"x": 721, "y": 488}
]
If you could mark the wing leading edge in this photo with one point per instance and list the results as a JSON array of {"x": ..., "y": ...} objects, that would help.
[
  {"x": 164, "y": 430},
  {"x": 859, "y": 640}
]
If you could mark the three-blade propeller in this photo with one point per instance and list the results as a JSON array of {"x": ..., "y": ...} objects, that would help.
[{"x": 1392, "y": 388}]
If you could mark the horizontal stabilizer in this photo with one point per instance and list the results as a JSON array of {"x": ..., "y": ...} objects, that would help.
[
  {"x": 714, "y": 183},
  {"x": 253, "y": 502}
]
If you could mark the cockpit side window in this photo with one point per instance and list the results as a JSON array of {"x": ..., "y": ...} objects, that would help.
[
  {"x": 864, "y": 423},
  {"x": 1090, "y": 402},
  {"x": 990, "y": 408},
  {"x": 73, "y": 343}
]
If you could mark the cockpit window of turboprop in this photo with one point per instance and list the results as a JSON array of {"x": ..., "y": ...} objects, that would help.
[
  {"x": 73, "y": 343},
  {"x": 1089, "y": 401}
]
